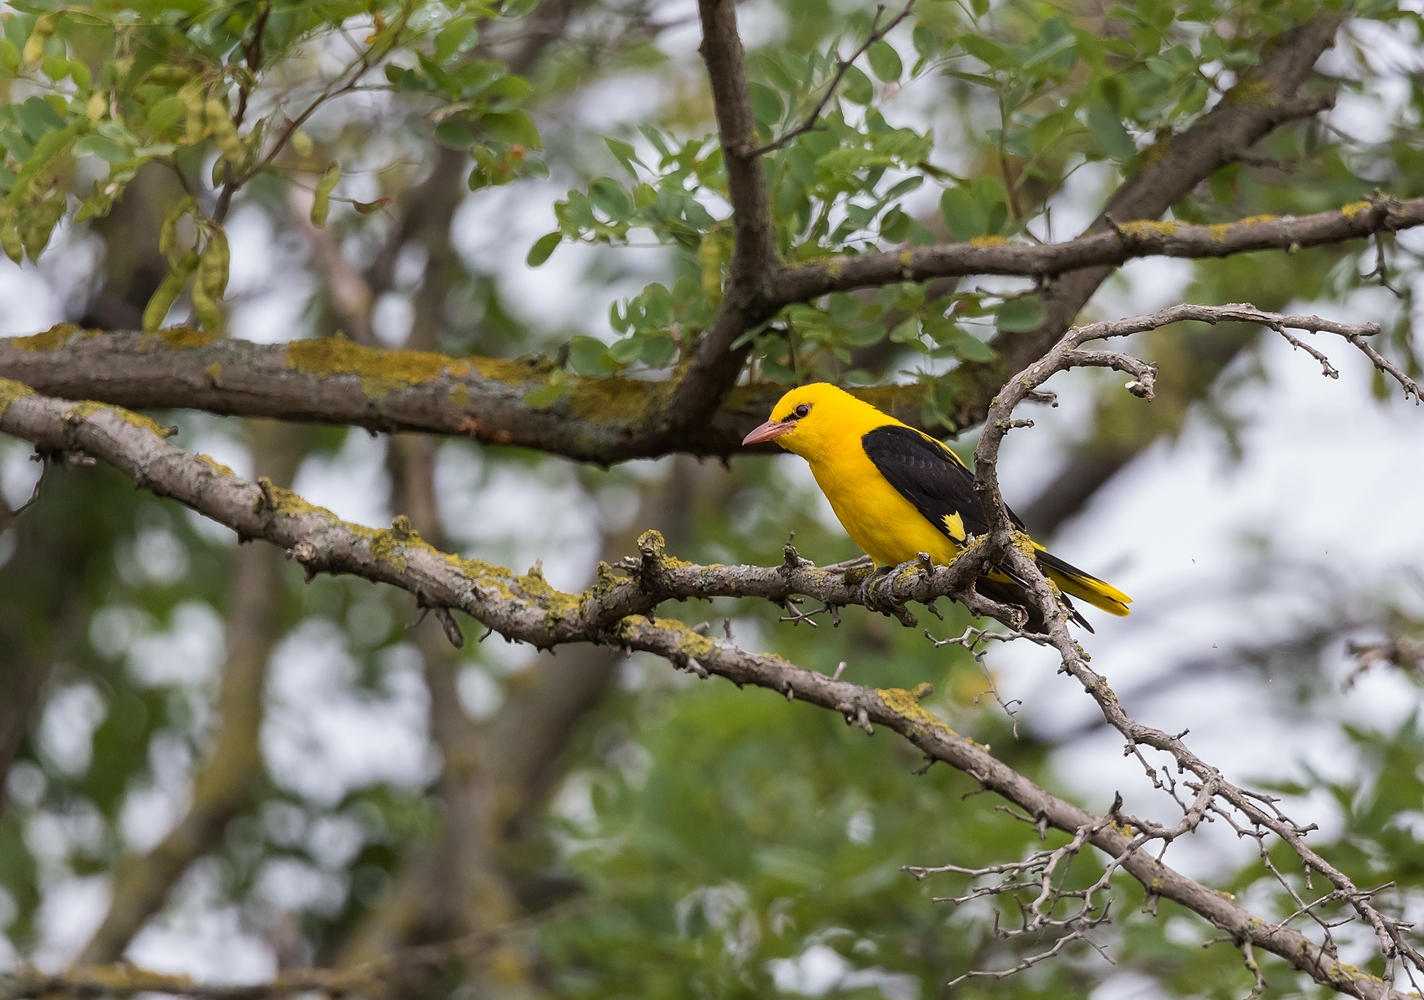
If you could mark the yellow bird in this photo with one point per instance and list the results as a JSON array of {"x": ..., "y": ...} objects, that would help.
[{"x": 899, "y": 492}]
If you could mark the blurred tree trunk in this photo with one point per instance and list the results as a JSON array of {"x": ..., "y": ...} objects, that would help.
[{"x": 223, "y": 787}]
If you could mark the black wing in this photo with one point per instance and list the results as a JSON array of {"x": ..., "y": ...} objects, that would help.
[{"x": 930, "y": 476}]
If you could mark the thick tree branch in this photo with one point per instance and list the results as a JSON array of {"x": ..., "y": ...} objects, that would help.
[
  {"x": 704, "y": 377},
  {"x": 527, "y": 609},
  {"x": 598, "y": 420},
  {"x": 1120, "y": 242}
]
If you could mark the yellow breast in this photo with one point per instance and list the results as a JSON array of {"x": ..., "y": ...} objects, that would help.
[{"x": 882, "y": 522}]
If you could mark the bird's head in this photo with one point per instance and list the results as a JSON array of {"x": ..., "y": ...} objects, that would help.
[{"x": 807, "y": 417}]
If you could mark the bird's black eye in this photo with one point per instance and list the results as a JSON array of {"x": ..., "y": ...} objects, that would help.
[{"x": 802, "y": 410}]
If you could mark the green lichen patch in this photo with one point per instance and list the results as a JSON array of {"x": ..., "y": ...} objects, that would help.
[
  {"x": 1148, "y": 228},
  {"x": 988, "y": 241},
  {"x": 1355, "y": 208},
  {"x": 53, "y": 339},
  {"x": 904, "y": 704},
  {"x": 1252, "y": 91},
  {"x": 10, "y": 391},
  {"x": 380, "y": 372},
  {"x": 215, "y": 465},
  {"x": 88, "y": 408},
  {"x": 614, "y": 400},
  {"x": 180, "y": 338}
]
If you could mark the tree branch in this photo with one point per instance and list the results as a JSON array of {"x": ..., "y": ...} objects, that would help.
[
  {"x": 603, "y": 420},
  {"x": 1121, "y": 242},
  {"x": 527, "y": 609},
  {"x": 1251, "y": 814},
  {"x": 704, "y": 377}
]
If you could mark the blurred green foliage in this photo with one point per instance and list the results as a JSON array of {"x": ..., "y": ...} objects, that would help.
[{"x": 713, "y": 832}]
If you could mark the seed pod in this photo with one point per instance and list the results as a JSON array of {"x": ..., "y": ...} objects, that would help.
[
  {"x": 196, "y": 125},
  {"x": 167, "y": 293},
  {"x": 224, "y": 131},
  {"x": 39, "y": 36},
  {"x": 96, "y": 106},
  {"x": 168, "y": 233},
  {"x": 321, "y": 204},
  {"x": 207, "y": 311},
  {"x": 213, "y": 265},
  {"x": 302, "y": 144}
]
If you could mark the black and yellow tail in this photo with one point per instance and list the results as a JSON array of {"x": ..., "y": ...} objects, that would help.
[{"x": 1075, "y": 583}]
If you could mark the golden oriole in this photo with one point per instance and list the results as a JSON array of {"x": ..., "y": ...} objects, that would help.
[{"x": 899, "y": 492}]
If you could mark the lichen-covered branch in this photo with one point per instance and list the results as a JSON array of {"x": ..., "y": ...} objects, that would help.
[
  {"x": 1120, "y": 242},
  {"x": 602, "y": 420},
  {"x": 612, "y": 613},
  {"x": 1251, "y": 814}
]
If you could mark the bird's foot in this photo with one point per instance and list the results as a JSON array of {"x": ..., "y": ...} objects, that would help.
[
  {"x": 877, "y": 591},
  {"x": 867, "y": 588}
]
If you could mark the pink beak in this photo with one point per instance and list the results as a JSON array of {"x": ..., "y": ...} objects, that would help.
[{"x": 769, "y": 430}]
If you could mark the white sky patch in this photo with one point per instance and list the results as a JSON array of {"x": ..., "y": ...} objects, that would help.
[
  {"x": 323, "y": 736},
  {"x": 512, "y": 514},
  {"x": 68, "y": 915},
  {"x": 353, "y": 484}
]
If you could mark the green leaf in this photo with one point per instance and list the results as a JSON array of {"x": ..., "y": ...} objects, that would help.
[
  {"x": 454, "y": 133},
  {"x": 103, "y": 147},
  {"x": 543, "y": 247},
  {"x": 166, "y": 113},
  {"x": 9, "y": 57},
  {"x": 609, "y": 197},
  {"x": 963, "y": 214},
  {"x": 766, "y": 103},
  {"x": 985, "y": 51},
  {"x": 36, "y": 118},
  {"x": 455, "y": 39},
  {"x": 627, "y": 350},
  {"x": 513, "y": 127},
  {"x": 1108, "y": 131},
  {"x": 659, "y": 350},
  {"x": 547, "y": 396},
  {"x": 321, "y": 200},
  {"x": 907, "y": 332},
  {"x": 1020, "y": 315},
  {"x": 885, "y": 61},
  {"x": 856, "y": 87},
  {"x": 625, "y": 154},
  {"x": 586, "y": 357}
]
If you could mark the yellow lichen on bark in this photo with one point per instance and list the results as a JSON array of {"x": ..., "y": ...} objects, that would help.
[
  {"x": 380, "y": 372},
  {"x": 54, "y": 338},
  {"x": 89, "y": 408},
  {"x": 1145, "y": 228},
  {"x": 904, "y": 704},
  {"x": 10, "y": 391}
]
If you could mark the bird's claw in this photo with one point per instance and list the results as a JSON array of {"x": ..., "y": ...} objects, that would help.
[{"x": 877, "y": 591}]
